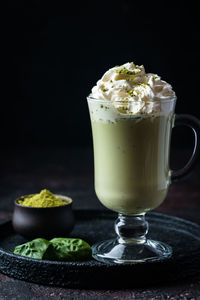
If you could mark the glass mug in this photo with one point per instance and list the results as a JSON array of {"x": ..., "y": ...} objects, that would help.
[{"x": 132, "y": 175}]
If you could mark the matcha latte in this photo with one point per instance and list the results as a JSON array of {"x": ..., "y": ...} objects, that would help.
[{"x": 132, "y": 115}]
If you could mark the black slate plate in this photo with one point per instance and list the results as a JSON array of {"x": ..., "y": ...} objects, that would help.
[{"x": 93, "y": 226}]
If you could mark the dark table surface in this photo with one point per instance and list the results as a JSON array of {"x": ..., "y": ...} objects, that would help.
[{"x": 70, "y": 172}]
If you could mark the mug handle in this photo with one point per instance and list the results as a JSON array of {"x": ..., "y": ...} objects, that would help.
[{"x": 193, "y": 123}]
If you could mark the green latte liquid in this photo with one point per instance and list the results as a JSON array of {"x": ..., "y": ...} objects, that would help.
[{"x": 131, "y": 162}]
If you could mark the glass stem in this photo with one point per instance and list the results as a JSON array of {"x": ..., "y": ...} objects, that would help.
[{"x": 131, "y": 229}]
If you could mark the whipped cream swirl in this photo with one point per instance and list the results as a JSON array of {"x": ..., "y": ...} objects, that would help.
[{"x": 129, "y": 83}]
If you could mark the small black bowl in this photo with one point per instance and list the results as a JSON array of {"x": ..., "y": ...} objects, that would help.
[{"x": 45, "y": 222}]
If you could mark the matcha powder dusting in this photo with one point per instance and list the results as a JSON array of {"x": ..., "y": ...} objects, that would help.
[{"x": 44, "y": 199}]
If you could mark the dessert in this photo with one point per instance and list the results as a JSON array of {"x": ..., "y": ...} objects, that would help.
[{"x": 131, "y": 136}]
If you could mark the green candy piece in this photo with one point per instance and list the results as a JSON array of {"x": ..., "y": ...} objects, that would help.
[
  {"x": 38, "y": 248},
  {"x": 71, "y": 249}
]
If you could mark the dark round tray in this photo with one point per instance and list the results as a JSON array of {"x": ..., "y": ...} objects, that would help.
[{"x": 93, "y": 226}]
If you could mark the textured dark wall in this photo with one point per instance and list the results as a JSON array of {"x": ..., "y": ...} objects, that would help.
[{"x": 54, "y": 54}]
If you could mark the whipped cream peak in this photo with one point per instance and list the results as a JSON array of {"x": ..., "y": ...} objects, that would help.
[{"x": 131, "y": 84}]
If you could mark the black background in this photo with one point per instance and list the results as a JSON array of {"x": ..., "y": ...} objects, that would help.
[{"x": 54, "y": 53}]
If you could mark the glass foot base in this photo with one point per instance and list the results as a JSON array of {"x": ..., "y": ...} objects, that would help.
[{"x": 112, "y": 251}]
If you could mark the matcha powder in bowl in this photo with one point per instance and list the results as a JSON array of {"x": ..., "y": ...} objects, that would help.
[
  {"x": 43, "y": 214},
  {"x": 44, "y": 199}
]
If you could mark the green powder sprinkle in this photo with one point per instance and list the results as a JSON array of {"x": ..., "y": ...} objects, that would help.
[
  {"x": 127, "y": 72},
  {"x": 103, "y": 88}
]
